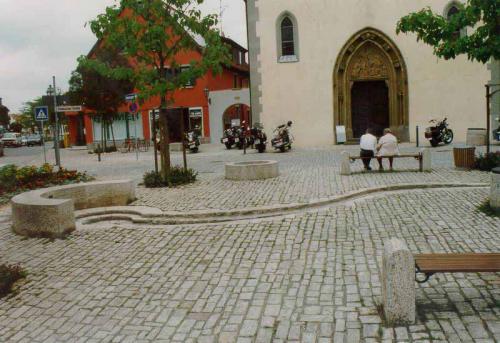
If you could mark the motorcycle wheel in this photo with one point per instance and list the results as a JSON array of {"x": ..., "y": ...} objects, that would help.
[
  {"x": 228, "y": 146},
  {"x": 448, "y": 137},
  {"x": 261, "y": 149},
  {"x": 194, "y": 150},
  {"x": 282, "y": 149},
  {"x": 434, "y": 142}
]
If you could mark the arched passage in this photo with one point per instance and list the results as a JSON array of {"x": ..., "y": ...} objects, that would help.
[
  {"x": 234, "y": 115},
  {"x": 370, "y": 85}
]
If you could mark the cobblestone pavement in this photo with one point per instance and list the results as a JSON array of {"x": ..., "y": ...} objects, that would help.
[
  {"x": 310, "y": 277},
  {"x": 306, "y": 175}
]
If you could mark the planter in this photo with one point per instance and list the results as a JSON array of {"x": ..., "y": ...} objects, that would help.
[
  {"x": 252, "y": 170},
  {"x": 464, "y": 157},
  {"x": 495, "y": 190}
]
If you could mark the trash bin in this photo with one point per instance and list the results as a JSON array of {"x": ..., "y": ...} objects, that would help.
[
  {"x": 476, "y": 137},
  {"x": 464, "y": 156}
]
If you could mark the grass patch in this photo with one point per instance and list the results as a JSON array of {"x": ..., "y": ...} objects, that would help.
[
  {"x": 486, "y": 208},
  {"x": 9, "y": 274}
]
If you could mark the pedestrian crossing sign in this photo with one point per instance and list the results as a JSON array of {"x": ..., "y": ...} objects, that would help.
[{"x": 42, "y": 113}]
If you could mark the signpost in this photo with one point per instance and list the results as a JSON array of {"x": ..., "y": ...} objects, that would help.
[
  {"x": 69, "y": 108},
  {"x": 133, "y": 108},
  {"x": 42, "y": 115}
]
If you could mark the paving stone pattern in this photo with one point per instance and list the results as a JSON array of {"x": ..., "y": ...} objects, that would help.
[
  {"x": 310, "y": 277},
  {"x": 306, "y": 175}
]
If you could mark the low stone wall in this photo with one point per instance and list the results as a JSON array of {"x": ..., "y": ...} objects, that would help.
[
  {"x": 252, "y": 170},
  {"x": 495, "y": 190},
  {"x": 49, "y": 212}
]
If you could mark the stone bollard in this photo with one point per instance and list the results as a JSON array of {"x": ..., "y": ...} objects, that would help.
[
  {"x": 426, "y": 160},
  {"x": 398, "y": 283},
  {"x": 345, "y": 167},
  {"x": 495, "y": 190}
]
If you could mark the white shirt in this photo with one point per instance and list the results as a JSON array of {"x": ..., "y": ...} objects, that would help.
[
  {"x": 368, "y": 142},
  {"x": 388, "y": 145}
]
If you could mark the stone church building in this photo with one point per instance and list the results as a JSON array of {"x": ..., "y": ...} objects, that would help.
[{"x": 329, "y": 63}]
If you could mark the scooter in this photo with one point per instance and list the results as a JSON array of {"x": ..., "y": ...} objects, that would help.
[
  {"x": 228, "y": 138},
  {"x": 193, "y": 141},
  {"x": 439, "y": 132},
  {"x": 496, "y": 133},
  {"x": 282, "y": 139}
]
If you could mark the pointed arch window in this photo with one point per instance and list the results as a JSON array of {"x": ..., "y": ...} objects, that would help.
[
  {"x": 287, "y": 35},
  {"x": 451, "y": 10}
]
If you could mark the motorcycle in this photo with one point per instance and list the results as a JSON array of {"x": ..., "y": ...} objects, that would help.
[
  {"x": 260, "y": 138},
  {"x": 192, "y": 141},
  {"x": 228, "y": 138},
  {"x": 282, "y": 139},
  {"x": 439, "y": 132},
  {"x": 244, "y": 138},
  {"x": 496, "y": 133}
]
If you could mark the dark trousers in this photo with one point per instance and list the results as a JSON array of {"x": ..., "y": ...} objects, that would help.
[{"x": 366, "y": 156}]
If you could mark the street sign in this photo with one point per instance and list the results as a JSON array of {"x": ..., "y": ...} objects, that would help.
[
  {"x": 133, "y": 107},
  {"x": 69, "y": 108},
  {"x": 42, "y": 113},
  {"x": 130, "y": 97}
]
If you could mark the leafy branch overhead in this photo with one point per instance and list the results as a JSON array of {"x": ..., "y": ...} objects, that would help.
[
  {"x": 481, "y": 20},
  {"x": 151, "y": 34}
]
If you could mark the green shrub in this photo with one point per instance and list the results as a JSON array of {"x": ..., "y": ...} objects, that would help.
[
  {"x": 487, "y": 162},
  {"x": 8, "y": 178},
  {"x": 108, "y": 149},
  {"x": 8, "y": 276},
  {"x": 177, "y": 176}
]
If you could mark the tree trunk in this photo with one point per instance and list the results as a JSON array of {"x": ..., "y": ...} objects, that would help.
[
  {"x": 103, "y": 145},
  {"x": 113, "y": 135},
  {"x": 164, "y": 139}
]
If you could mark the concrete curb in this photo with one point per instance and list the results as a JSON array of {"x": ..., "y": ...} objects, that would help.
[{"x": 143, "y": 214}]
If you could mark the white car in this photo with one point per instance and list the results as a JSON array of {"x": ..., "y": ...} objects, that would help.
[{"x": 12, "y": 139}]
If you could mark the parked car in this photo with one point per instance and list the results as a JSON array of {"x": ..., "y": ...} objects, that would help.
[
  {"x": 31, "y": 140},
  {"x": 12, "y": 139}
]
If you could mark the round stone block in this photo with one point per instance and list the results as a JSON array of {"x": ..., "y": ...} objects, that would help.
[
  {"x": 252, "y": 170},
  {"x": 495, "y": 190}
]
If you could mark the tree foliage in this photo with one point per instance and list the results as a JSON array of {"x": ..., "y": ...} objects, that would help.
[
  {"x": 4, "y": 116},
  {"x": 151, "y": 34},
  {"x": 480, "y": 17}
]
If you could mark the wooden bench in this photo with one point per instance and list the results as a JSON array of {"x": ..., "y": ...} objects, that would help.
[
  {"x": 418, "y": 157},
  {"x": 430, "y": 264},
  {"x": 423, "y": 157}
]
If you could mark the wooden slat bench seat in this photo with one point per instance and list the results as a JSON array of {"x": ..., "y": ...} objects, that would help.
[
  {"x": 430, "y": 264},
  {"x": 418, "y": 157}
]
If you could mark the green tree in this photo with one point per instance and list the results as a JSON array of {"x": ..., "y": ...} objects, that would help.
[
  {"x": 99, "y": 92},
  {"x": 4, "y": 116},
  {"x": 27, "y": 117},
  {"x": 151, "y": 33},
  {"x": 481, "y": 44}
]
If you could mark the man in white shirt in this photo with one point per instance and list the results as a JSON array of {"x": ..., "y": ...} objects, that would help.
[{"x": 368, "y": 145}]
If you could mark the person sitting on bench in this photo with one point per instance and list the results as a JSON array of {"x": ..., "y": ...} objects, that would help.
[
  {"x": 368, "y": 145},
  {"x": 387, "y": 147}
]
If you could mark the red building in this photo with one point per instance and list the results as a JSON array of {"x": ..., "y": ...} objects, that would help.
[{"x": 193, "y": 101}]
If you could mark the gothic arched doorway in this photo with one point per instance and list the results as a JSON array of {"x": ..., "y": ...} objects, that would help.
[
  {"x": 370, "y": 86},
  {"x": 234, "y": 115}
]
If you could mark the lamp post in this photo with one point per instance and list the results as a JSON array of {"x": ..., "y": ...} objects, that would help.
[{"x": 52, "y": 91}]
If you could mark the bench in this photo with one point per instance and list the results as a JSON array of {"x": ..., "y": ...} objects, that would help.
[
  {"x": 423, "y": 157},
  {"x": 400, "y": 270},
  {"x": 430, "y": 264},
  {"x": 49, "y": 212}
]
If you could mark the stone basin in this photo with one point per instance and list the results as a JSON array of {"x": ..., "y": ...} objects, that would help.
[{"x": 252, "y": 170}]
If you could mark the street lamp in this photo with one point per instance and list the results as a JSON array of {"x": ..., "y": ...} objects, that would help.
[{"x": 52, "y": 91}]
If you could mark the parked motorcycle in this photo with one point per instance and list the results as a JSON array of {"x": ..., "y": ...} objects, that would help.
[
  {"x": 192, "y": 140},
  {"x": 260, "y": 137},
  {"x": 283, "y": 139},
  {"x": 228, "y": 138},
  {"x": 496, "y": 133},
  {"x": 439, "y": 132}
]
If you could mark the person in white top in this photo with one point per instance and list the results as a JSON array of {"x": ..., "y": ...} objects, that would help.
[
  {"x": 368, "y": 145},
  {"x": 387, "y": 147}
]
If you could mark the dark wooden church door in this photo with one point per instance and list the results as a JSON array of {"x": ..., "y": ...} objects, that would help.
[{"x": 370, "y": 107}]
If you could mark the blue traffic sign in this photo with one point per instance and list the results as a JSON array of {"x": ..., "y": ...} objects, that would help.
[
  {"x": 133, "y": 107},
  {"x": 42, "y": 113}
]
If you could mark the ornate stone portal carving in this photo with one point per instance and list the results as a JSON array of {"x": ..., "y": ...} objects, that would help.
[
  {"x": 368, "y": 63},
  {"x": 370, "y": 55}
]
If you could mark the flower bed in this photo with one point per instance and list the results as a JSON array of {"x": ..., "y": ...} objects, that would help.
[{"x": 14, "y": 180}]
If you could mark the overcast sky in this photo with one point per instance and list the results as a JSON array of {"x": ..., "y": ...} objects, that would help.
[{"x": 41, "y": 38}]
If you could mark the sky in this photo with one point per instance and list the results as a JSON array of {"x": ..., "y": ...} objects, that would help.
[{"x": 42, "y": 38}]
